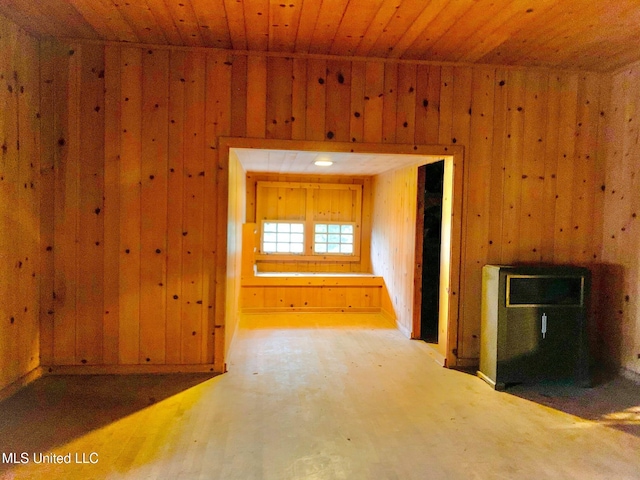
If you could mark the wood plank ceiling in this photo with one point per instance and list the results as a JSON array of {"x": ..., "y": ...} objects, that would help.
[{"x": 594, "y": 35}]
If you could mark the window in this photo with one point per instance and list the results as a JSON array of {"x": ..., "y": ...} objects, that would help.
[
  {"x": 313, "y": 222},
  {"x": 333, "y": 238},
  {"x": 282, "y": 237}
]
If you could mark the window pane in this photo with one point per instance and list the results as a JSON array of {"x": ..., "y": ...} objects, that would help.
[
  {"x": 297, "y": 248},
  {"x": 321, "y": 238},
  {"x": 269, "y": 237},
  {"x": 334, "y": 248},
  {"x": 297, "y": 228},
  {"x": 346, "y": 238},
  {"x": 334, "y": 228},
  {"x": 321, "y": 228},
  {"x": 334, "y": 238},
  {"x": 346, "y": 228},
  {"x": 297, "y": 238},
  {"x": 346, "y": 248},
  {"x": 270, "y": 227},
  {"x": 284, "y": 227},
  {"x": 269, "y": 247},
  {"x": 321, "y": 248},
  {"x": 283, "y": 248}
]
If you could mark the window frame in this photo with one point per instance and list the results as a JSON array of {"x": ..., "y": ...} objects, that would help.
[
  {"x": 289, "y": 222},
  {"x": 310, "y": 221},
  {"x": 340, "y": 224}
]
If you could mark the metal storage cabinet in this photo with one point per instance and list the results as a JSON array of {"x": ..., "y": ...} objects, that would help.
[{"x": 533, "y": 324}]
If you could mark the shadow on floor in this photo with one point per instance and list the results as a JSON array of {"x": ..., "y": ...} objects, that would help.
[
  {"x": 611, "y": 401},
  {"x": 57, "y": 409}
]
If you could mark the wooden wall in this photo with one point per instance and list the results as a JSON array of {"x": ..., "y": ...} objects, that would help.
[
  {"x": 393, "y": 241},
  {"x": 339, "y": 203},
  {"x": 139, "y": 189},
  {"x": 236, "y": 218},
  {"x": 620, "y": 304},
  {"x": 20, "y": 189}
]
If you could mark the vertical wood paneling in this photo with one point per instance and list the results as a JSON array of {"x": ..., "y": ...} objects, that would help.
[
  {"x": 112, "y": 135},
  {"x": 393, "y": 238},
  {"x": 478, "y": 203},
  {"x": 130, "y": 178},
  {"x": 175, "y": 191},
  {"x": 28, "y": 145},
  {"x": 239, "y": 80},
  {"x": 551, "y": 145},
  {"x": 358, "y": 75},
  {"x": 373, "y": 102},
  {"x": 533, "y": 163},
  {"x": 406, "y": 111},
  {"x": 565, "y": 168},
  {"x": 90, "y": 246},
  {"x": 389, "y": 102},
  {"x": 279, "y": 99},
  {"x": 193, "y": 210},
  {"x": 66, "y": 207},
  {"x": 20, "y": 214},
  {"x": 153, "y": 206},
  {"x": 514, "y": 145},
  {"x": 619, "y": 329},
  {"x": 218, "y": 95},
  {"x": 338, "y": 98},
  {"x": 257, "y": 96},
  {"x": 299, "y": 99},
  {"x": 47, "y": 212},
  {"x": 316, "y": 99},
  {"x": 526, "y": 135}
]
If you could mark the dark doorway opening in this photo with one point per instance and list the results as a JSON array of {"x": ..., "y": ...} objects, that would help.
[{"x": 433, "y": 175}]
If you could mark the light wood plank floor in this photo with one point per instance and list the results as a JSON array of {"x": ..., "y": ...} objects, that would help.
[{"x": 322, "y": 397}]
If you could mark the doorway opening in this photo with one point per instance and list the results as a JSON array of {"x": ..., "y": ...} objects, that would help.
[
  {"x": 430, "y": 188},
  {"x": 393, "y": 224}
]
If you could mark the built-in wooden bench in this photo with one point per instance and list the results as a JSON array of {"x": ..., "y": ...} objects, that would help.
[{"x": 305, "y": 291}]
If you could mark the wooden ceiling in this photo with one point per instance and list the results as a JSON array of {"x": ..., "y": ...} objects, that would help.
[{"x": 596, "y": 35}]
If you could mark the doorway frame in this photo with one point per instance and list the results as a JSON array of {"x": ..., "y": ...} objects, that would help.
[{"x": 447, "y": 346}]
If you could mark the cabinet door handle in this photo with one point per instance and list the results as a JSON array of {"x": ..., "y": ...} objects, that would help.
[{"x": 544, "y": 325}]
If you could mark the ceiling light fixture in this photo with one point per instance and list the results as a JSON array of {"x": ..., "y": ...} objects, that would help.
[{"x": 323, "y": 163}]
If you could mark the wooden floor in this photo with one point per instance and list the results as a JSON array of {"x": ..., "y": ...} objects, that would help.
[{"x": 320, "y": 396}]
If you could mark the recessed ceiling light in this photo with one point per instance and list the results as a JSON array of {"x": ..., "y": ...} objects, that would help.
[{"x": 323, "y": 163}]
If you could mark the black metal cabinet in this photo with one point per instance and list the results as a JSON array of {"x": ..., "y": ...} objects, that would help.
[{"x": 533, "y": 324}]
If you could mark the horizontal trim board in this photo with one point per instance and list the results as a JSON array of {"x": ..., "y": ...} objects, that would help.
[
  {"x": 277, "y": 257},
  {"x": 127, "y": 369},
  {"x": 312, "y": 281},
  {"x": 314, "y": 56}
]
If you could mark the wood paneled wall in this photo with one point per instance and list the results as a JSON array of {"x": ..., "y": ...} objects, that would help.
[
  {"x": 236, "y": 218},
  {"x": 619, "y": 328},
  {"x": 393, "y": 240},
  {"x": 139, "y": 191},
  {"x": 20, "y": 188}
]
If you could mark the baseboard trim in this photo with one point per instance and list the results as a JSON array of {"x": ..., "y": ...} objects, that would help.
[
  {"x": 127, "y": 369},
  {"x": 22, "y": 382}
]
